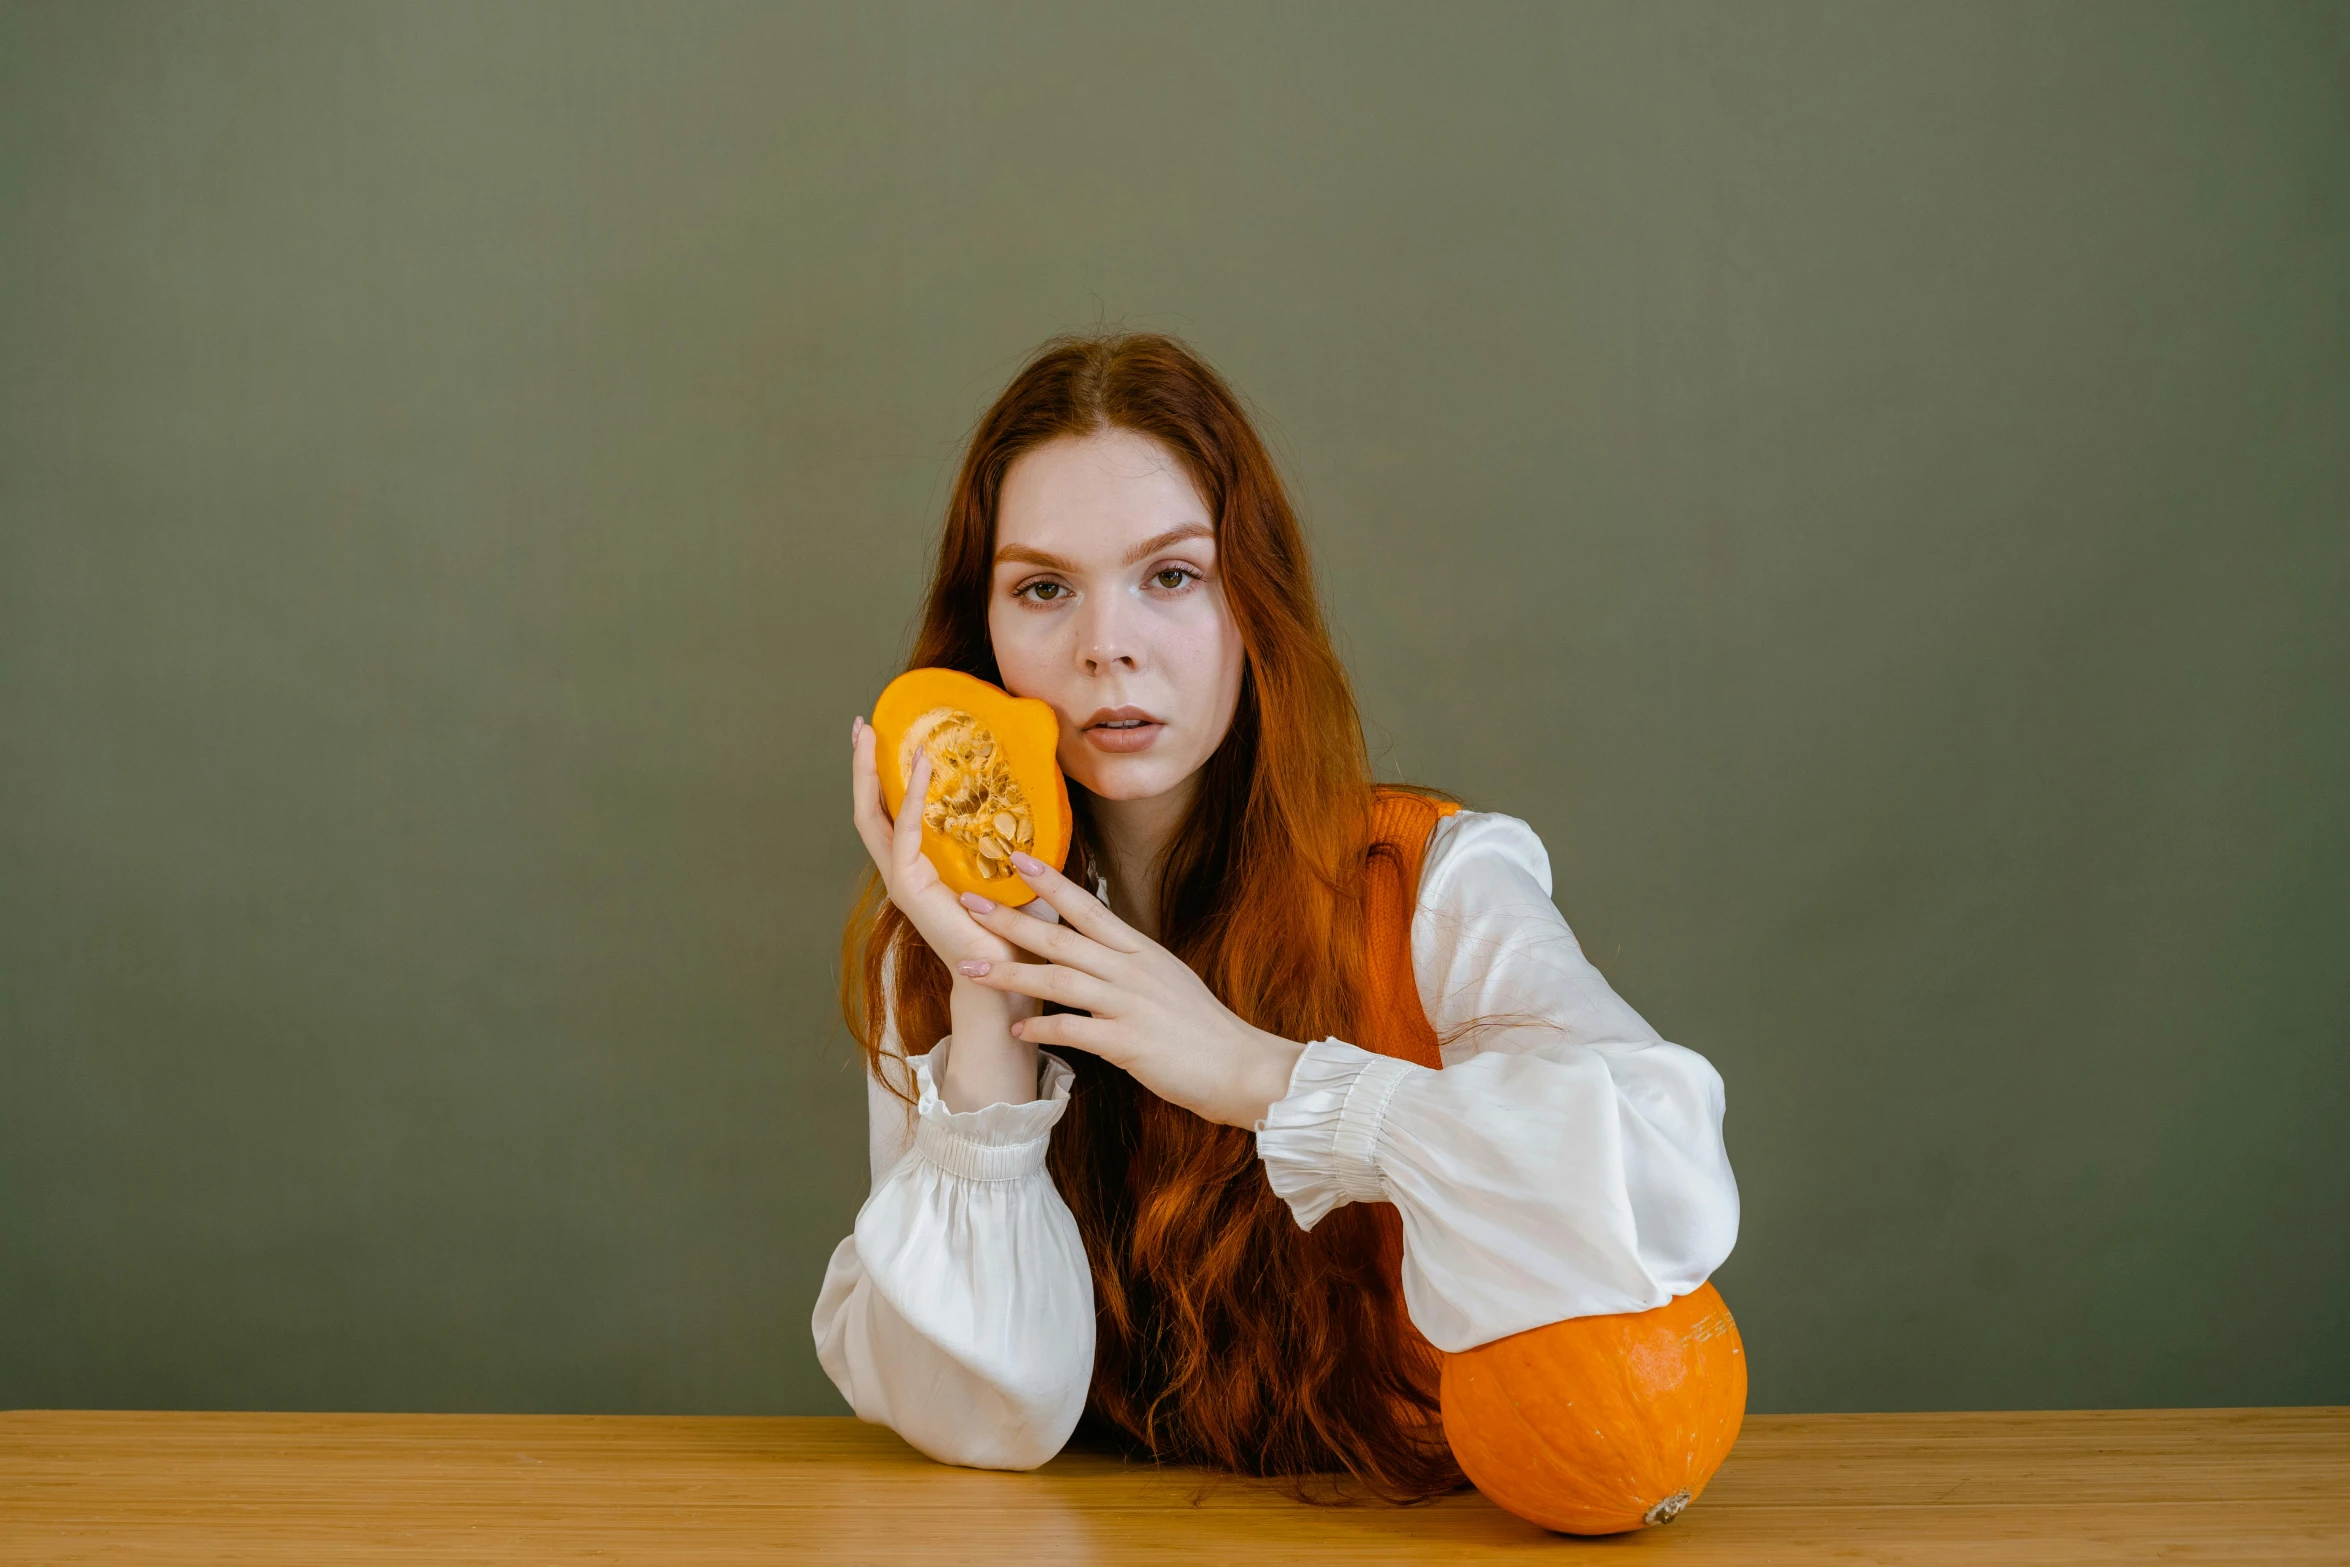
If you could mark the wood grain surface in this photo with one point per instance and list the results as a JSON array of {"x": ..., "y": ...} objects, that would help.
[{"x": 2213, "y": 1485}]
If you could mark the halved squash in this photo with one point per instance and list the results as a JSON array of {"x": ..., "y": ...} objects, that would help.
[
  {"x": 1599, "y": 1424},
  {"x": 995, "y": 777}
]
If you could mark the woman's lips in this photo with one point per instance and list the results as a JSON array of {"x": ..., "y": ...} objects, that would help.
[{"x": 1123, "y": 734}]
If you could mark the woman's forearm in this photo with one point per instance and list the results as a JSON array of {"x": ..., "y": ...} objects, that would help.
[{"x": 985, "y": 1064}]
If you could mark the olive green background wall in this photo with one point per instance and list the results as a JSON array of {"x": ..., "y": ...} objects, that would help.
[{"x": 1868, "y": 483}]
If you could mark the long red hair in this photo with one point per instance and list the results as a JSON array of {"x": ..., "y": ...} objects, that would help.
[{"x": 1227, "y": 1336}]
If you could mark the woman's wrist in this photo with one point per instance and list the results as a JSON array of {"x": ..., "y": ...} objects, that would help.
[
  {"x": 986, "y": 1065},
  {"x": 1277, "y": 1065}
]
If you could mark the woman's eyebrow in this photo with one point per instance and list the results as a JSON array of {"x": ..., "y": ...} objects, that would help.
[
  {"x": 1173, "y": 536},
  {"x": 1135, "y": 556},
  {"x": 1021, "y": 552}
]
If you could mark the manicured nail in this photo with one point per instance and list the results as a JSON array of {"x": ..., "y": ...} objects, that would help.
[
  {"x": 1028, "y": 864},
  {"x": 977, "y": 904},
  {"x": 972, "y": 968},
  {"x": 1018, "y": 1024}
]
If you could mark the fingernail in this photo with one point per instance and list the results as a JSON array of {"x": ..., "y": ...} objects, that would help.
[
  {"x": 972, "y": 968},
  {"x": 977, "y": 904},
  {"x": 1027, "y": 864},
  {"x": 1017, "y": 1024}
]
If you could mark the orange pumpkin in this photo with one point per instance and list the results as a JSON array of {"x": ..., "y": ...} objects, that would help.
[
  {"x": 1600, "y": 1424},
  {"x": 995, "y": 781}
]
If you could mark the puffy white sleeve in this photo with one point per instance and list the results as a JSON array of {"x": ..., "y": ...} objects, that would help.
[
  {"x": 1566, "y": 1161},
  {"x": 959, "y": 1312}
]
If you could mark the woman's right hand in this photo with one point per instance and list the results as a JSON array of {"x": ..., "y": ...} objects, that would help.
[{"x": 912, "y": 881}]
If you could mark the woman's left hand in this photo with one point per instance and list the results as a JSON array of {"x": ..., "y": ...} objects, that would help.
[{"x": 1151, "y": 1015}]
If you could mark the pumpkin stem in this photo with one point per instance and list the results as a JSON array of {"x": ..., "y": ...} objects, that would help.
[{"x": 1667, "y": 1510}]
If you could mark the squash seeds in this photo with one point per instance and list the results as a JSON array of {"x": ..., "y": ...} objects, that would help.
[{"x": 973, "y": 798}]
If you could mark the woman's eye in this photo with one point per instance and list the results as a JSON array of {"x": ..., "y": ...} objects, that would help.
[
  {"x": 1172, "y": 577},
  {"x": 1044, "y": 591}
]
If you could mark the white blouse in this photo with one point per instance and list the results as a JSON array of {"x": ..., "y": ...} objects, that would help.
[{"x": 1565, "y": 1162}]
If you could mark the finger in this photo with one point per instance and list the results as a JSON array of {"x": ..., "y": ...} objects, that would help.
[
  {"x": 1038, "y": 916},
  {"x": 1070, "y": 1028},
  {"x": 906, "y": 831},
  {"x": 871, "y": 817},
  {"x": 1077, "y": 906},
  {"x": 1044, "y": 981},
  {"x": 1051, "y": 940}
]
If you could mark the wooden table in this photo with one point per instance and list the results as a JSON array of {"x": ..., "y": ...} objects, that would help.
[{"x": 2222, "y": 1485}]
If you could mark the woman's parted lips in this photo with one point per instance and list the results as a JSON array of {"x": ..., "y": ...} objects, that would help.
[{"x": 1121, "y": 717}]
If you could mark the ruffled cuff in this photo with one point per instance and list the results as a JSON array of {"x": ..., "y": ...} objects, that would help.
[
  {"x": 1320, "y": 1142},
  {"x": 998, "y": 1142}
]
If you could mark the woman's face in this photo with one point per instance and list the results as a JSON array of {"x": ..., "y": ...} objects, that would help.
[{"x": 1106, "y": 603}]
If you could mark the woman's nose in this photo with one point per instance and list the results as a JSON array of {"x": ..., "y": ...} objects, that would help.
[{"x": 1103, "y": 640}]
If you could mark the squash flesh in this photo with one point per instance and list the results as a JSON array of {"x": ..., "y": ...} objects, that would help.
[{"x": 995, "y": 781}]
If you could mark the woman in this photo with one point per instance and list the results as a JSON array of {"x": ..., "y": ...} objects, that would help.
[{"x": 1215, "y": 1228}]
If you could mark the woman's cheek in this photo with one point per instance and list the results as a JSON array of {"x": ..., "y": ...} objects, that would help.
[
  {"x": 1189, "y": 644},
  {"x": 1200, "y": 651},
  {"x": 1021, "y": 655},
  {"x": 1033, "y": 662}
]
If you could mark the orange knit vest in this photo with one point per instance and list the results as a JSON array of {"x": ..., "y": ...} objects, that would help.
[{"x": 1393, "y": 1022}]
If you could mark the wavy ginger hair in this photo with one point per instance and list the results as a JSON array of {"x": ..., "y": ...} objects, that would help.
[{"x": 1226, "y": 1335}]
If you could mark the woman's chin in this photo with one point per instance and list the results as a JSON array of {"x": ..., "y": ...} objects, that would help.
[{"x": 1138, "y": 777}]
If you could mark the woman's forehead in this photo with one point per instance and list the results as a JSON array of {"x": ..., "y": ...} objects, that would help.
[{"x": 1093, "y": 499}]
